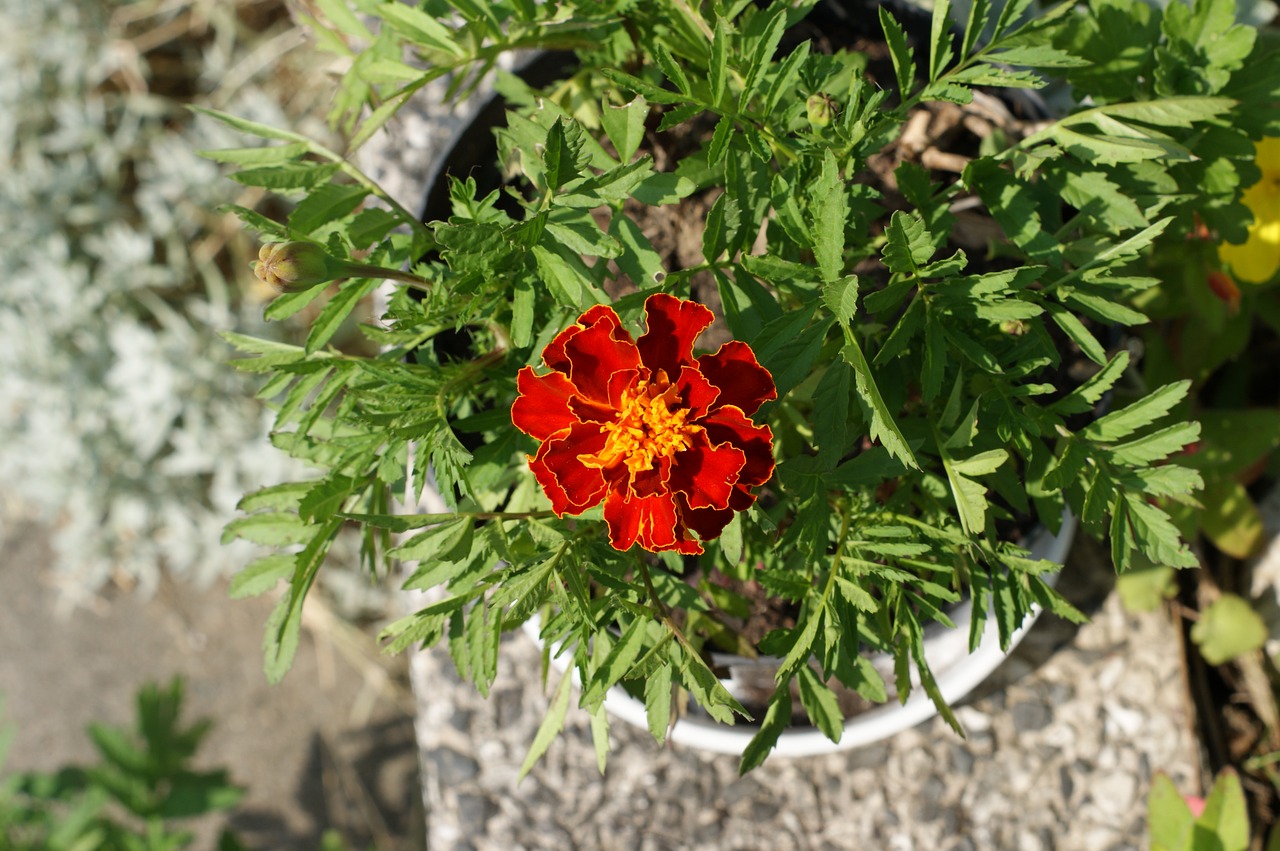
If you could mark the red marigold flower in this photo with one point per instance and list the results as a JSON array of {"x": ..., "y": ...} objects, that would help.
[{"x": 664, "y": 439}]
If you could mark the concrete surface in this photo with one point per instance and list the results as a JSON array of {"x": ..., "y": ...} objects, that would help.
[{"x": 330, "y": 747}]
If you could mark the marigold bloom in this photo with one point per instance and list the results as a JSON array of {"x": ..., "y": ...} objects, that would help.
[
  {"x": 1258, "y": 259},
  {"x": 664, "y": 439}
]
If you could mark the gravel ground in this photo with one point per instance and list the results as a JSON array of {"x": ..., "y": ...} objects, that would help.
[
  {"x": 1062, "y": 742},
  {"x": 1060, "y": 752}
]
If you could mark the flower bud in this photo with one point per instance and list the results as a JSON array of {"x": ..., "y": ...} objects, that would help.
[
  {"x": 290, "y": 267},
  {"x": 1226, "y": 290},
  {"x": 820, "y": 108},
  {"x": 1014, "y": 327}
]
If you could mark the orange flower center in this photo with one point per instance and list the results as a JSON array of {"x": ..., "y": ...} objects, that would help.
[{"x": 646, "y": 429}]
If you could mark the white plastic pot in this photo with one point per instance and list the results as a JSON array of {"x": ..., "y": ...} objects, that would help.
[{"x": 956, "y": 670}]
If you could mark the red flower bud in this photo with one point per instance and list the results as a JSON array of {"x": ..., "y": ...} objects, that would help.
[{"x": 1226, "y": 290}]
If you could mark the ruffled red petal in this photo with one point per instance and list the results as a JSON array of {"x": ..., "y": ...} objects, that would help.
[
  {"x": 708, "y": 522},
  {"x": 572, "y": 486},
  {"x": 554, "y": 354},
  {"x": 696, "y": 392},
  {"x": 653, "y": 522},
  {"x": 742, "y": 381},
  {"x": 542, "y": 407},
  {"x": 705, "y": 474},
  {"x": 672, "y": 325},
  {"x": 730, "y": 425},
  {"x": 596, "y": 354}
]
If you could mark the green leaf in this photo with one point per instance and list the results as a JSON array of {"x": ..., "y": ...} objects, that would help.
[
  {"x": 1036, "y": 56},
  {"x": 657, "y": 702},
  {"x": 270, "y": 529},
  {"x": 616, "y": 665},
  {"x": 775, "y": 24},
  {"x": 1084, "y": 397},
  {"x": 1223, "y": 825},
  {"x": 625, "y": 125},
  {"x": 903, "y": 58},
  {"x": 1155, "y": 446},
  {"x": 1145, "y": 589},
  {"x": 1231, "y": 519},
  {"x": 1080, "y": 335},
  {"x": 325, "y": 204},
  {"x": 663, "y": 188},
  {"x": 909, "y": 245},
  {"x": 717, "y": 67},
  {"x": 1129, "y": 419},
  {"x": 449, "y": 541},
  {"x": 331, "y": 317},
  {"x": 638, "y": 259},
  {"x": 261, "y": 576},
  {"x": 562, "y": 156},
  {"x": 841, "y": 298},
  {"x": 776, "y": 719},
  {"x": 1154, "y": 535},
  {"x": 422, "y": 28},
  {"x": 292, "y": 175},
  {"x": 266, "y": 155},
  {"x": 940, "y": 38},
  {"x": 819, "y": 703},
  {"x": 1169, "y": 819},
  {"x": 551, "y": 725},
  {"x": 830, "y": 208},
  {"x": 253, "y": 128},
  {"x": 883, "y": 426},
  {"x": 1228, "y": 628}
]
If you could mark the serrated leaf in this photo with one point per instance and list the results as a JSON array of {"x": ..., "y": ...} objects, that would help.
[
  {"x": 908, "y": 244},
  {"x": 290, "y": 175},
  {"x": 940, "y": 38},
  {"x": 325, "y": 204},
  {"x": 903, "y": 60},
  {"x": 625, "y": 125},
  {"x": 561, "y": 157},
  {"x": 253, "y": 128},
  {"x": 1036, "y": 56},
  {"x": 1080, "y": 335},
  {"x": 717, "y": 66},
  {"x": 1129, "y": 419},
  {"x": 657, "y": 702},
  {"x": 830, "y": 208},
  {"x": 266, "y": 155},
  {"x": 883, "y": 426},
  {"x": 615, "y": 666},
  {"x": 1084, "y": 397},
  {"x": 331, "y": 317},
  {"x": 261, "y": 576},
  {"x": 819, "y": 702},
  {"x": 448, "y": 541},
  {"x": 776, "y": 719},
  {"x": 1155, "y": 446},
  {"x": 841, "y": 298},
  {"x": 422, "y": 28},
  {"x": 775, "y": 24},
  {"x": 550, "y": 727}
]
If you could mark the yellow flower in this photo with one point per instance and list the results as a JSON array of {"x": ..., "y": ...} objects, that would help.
[{"x": 1258, "y": 260}]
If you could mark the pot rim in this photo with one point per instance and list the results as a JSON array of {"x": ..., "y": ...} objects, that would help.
[{"x": 956, "y": 671}]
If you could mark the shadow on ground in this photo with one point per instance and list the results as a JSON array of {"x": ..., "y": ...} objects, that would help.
[{"x": 331, "y": 747}]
